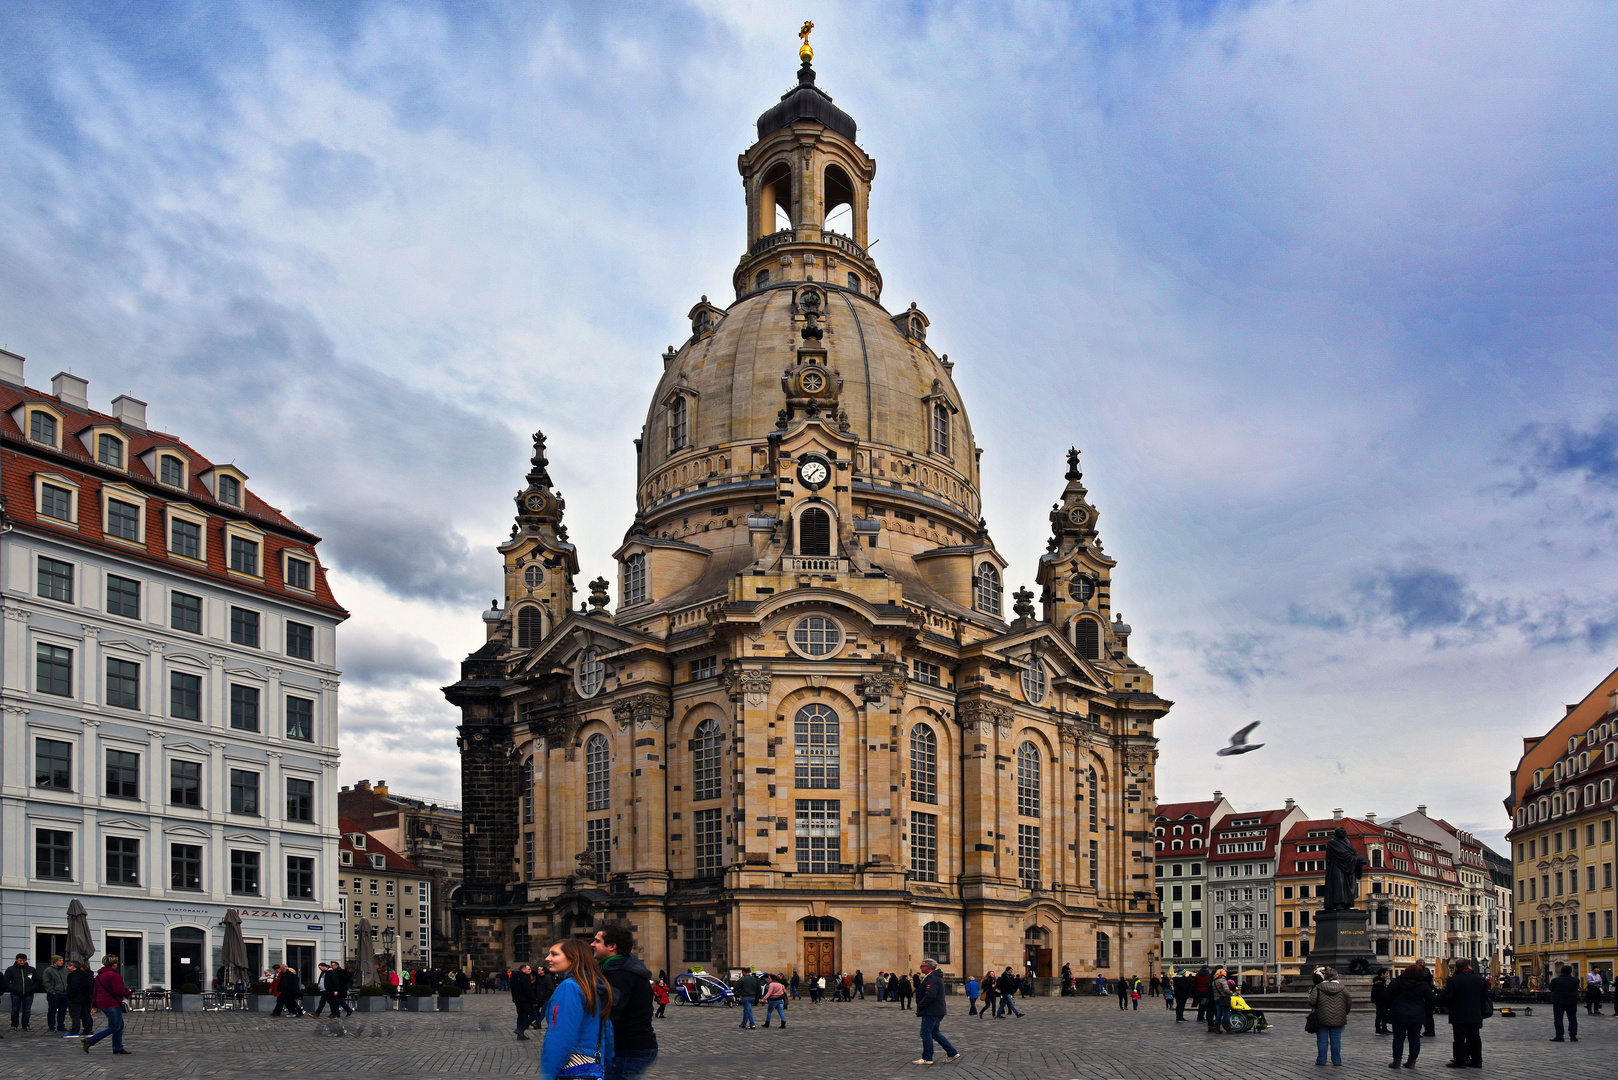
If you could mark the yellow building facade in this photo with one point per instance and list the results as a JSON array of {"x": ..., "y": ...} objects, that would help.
[
  {"x": 1562, "y": 809},
  {"x": 809, "y": 736}
]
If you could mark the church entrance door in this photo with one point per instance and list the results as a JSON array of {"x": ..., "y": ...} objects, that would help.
[{"x": 819, "y": 957}]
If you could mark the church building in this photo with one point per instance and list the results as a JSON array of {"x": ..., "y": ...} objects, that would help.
[{"x": 809, "y": 736}]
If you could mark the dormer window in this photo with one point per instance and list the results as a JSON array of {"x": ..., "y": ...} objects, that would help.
[
  {"x": 357, "y": 840},
  {"x": 986, "y": 589},
  {"x": 635, "y": 579},
  {"x": 348, "y": 858},
  {"x": 298, "y": 575},
  {"x": 379, "y": 862},
  {"x": 171, "y": 471},
  {"x": 110, "y": 450},
  {"x": 243, "y": 555},
  {"x": 940, "y": 428},
  {"x": 679, "y": 417},
  {"x": 230, "y": 491},
  {"x": 42, "y": 427}
]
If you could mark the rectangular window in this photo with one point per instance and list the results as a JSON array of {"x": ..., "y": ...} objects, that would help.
[
  {"x": 528, "y": 856},
  {"x": 185, "y": 867},
  {"x": 185, "y": 538},
  {"x": 923, "y": 846},
  {"x": 243, "y": 791},
  {"x": 1178, "y": 893},
  {"x": 300, "y": 640},
  {"x": 300, "y": 799},
  {"x": 185, "y": 783},
  {"x": 244, "y": 873},
  {"x": 123, "y": 520},
  {"x": 42, "y": 428},
  {"x": 704, "y": 668},
  {"x": 244, "y": 627},
  {"x": 1095, "y": 865},
  {"x": 598, "y": 842},
  {"x": 53, "y": 670},
  {"x": 925, "y": 673},
  {"x": 297, "y": 574},
  {"x": 1196, "y": 892},
  {"x": 53, "y": 854},
  {"x": 123, "y": 861},
  {"x": 699, "y": 941},
  {"x": 244, "y": 707},
  {"x": 185, "y": 695},
  {"x": 53, "y": 764},
  {"x": 1196, "y": 919},
  {"x": 110, "y": 451},
  {"x": 816, "y": 749},
  {"x": 818, "y": 832},
  {"x": 185, "y": 612},
  {"x": 123, "y": 684},
  {"x": 300, "y": 719},
  {"x": 300, "y": 877},
  {"x": 244, "y": 555},
  {"x": 1028, "y": 855},
  {"x": 708, "y": 841},
  {"x": 55, "y": 502},
  {"x": 123, "y": 596},
  {"x": 123, "y": 774},
  {"x": 56, "y": 580}
]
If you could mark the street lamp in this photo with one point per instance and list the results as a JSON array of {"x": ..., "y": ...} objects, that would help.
[{"x": 387, "y": 946}]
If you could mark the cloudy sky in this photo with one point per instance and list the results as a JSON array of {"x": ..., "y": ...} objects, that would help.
[{"x": 1323, "y": 290}]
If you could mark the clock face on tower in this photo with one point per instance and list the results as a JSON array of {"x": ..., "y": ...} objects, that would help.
[
  {"x": 814, "y": 472},
  {"x": 812, "y": 382},
  {"x": 535, "y": 502},
  {"x": 1077, "y": 515}
]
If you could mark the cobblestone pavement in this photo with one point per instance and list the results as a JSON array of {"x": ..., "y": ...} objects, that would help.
[{"x": 1060, "y": 1039}]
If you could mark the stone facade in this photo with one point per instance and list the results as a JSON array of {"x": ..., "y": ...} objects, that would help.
[{"x": 808, "y": 737}]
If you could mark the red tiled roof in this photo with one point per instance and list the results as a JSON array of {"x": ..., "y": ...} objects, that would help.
[
  {"x": 397, "y": 863},
  {"x": 1179, "y": 810},
  {"x": 21, "y": 459}
]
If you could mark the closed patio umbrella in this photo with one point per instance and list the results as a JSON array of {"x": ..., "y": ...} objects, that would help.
[
  {"x": 365, "y": 956},
  {"x": 79, "y": 943},
  {"x": 234, "y": 954}
]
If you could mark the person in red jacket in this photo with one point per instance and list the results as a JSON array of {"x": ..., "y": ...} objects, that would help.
[{"x": 109, "y": 996}]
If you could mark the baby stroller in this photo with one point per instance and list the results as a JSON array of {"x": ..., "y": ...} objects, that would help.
[{"x": 1245, "y": 1018}]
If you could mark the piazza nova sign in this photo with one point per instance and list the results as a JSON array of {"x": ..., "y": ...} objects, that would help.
[{"x": 311, "y": 919}]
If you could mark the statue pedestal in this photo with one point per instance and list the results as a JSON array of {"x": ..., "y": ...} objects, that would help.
[{"x": 1341, "y": 943}]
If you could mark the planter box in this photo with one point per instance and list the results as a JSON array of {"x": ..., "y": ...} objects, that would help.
[
  {"x": 185, "y": 1002},
  {"x": 451, "y": 1004},
  {"x": 371, "y": 1004},
  {"x": 262, "y": 1003},
  {"x": 311, "y": 1002},
  {"x": 419, "y": 1004}
]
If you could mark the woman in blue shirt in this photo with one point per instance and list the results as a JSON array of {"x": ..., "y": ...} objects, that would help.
[{"x": 578, "y": 1042}]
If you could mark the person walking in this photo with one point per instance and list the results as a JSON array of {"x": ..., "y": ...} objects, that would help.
[
  {"x": 327, "y": 982},
  {"x": 1592, "y": 992},
  {"x": 109, "y": 995},
  {"x": 859, "y": 986},
  {"x": 22, "y": 982},
  {"x": 1166, "y": 985},
  {"x": 525, "y": 999},
  {"x": 991, "y": 994},
  {"x": 660, "y": 994},
  {"x": 580, "y": 1011},
  {"x": 1405, "y": 1004},
  {"x": 972, "y": 990},
  {"x": 1007, "y": 985},
  {"x": 1184, "y": 986},
  {"x": 1331, "y": 1004},
  {"x": 793, "y": 986},
  {"x": 54, "y": 980},
  {"x": 930, "y": 1007},
  {"x": 1467, "y": 997},
  {"x": 289, "y": 992},
  {"x": 775, "y": 1000},
  {"x": 748, "y": 991},
  {"x": 1122, "y": 987},
  {"x": 906, "y": 989},
  {"x": 1200, "y": 984},
  {"x": 1379, "y": 1000},
  {"x": 1101, "y": 986},
  {"x": 634, "y": 1043},
  {"x": 80, "y": 989},
  {"x": 343, "y": 982},
  {"x": 1565, "y": 1002},
  {"x": 1134, "y": 993},
  {"x": 1219, "y": 990}
]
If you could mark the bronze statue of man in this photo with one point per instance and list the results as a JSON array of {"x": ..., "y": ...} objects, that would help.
[{"x": 1343, "y": 868}]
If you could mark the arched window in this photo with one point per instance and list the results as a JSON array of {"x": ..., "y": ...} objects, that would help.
[
  {"x": 1103, "y": 950},
  {"x": 762, "y": 280},
  {"x": 940, "y": 428},
  {"x": 635, "y": 579},
  {"x": 839, "y": 191},
  {"x": 1179, "y": 845},
  {"x": 775, "y": 199},
  {"x": 171, "y": 470},
  {"x": 1028, "y": 780},
  {"x": 530, "y": 627},
  {"x": 528, "y": 792},
  {"x": 935, "y": 941},
  {"x": 986, "y": 590},
  {"x": 814, "y": 532},
  {"x": 1033, "y": 681},
  {"x": 923, "y": 764},
  {"x": 816, "y": 754},
  {"x": 705, "y": 757},
  {"x": 1160, "y": 845},
  {"x": 1196, "y": 844},
  {"x": 677, "y": 422},
  {"x": 597, "y": 786},
  {"x": 854, "y": 282},
  {"x": 1087, "y": 638}
]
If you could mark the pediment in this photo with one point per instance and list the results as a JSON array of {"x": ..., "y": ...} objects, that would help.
[
  {"x": 579, "y": 632},
  {"x": 1052, "y": 646},
  {"x": 185, "y": 659},
  {"x": 187, "y": 831},
  {"x": 184, "y": 748},
  {"x": 123, "y": 645},
  {"x": 247, "y": 838},
  {"x": 121, "y": 823}
]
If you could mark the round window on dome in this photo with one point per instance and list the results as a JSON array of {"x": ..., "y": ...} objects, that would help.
[
  {"x": 591, "y": 674},
  {"x": 1033, "y": 681},
  {"x": 533, "y": 577},
  {"x": 816, "y": 636}
]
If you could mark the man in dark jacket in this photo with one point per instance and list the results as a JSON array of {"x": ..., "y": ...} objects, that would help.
[
  {"x": 524, "y": 998},
  {"x": 80, "y": 985},
  {"x": 1007, "y": 985},
  {"x": 1379, "y": 999},
  {"x": 1409, "y": 1001},
  {"x": 1467, "y": 995},
  {"x": 22, "y": 981},
  {"x": 634, "y": 1043},
  {"x": 1564, "y": 1002},
  {"x": 1184, "y": 987},
  {"x": 1200, "y": 985},
  {"x": 930, "y": 1007}
]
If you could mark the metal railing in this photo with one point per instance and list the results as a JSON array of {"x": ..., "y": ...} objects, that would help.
[{"x": 837, "y": 240}]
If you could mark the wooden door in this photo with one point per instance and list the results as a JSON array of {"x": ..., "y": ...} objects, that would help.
[{"x": 819, "y": 957}]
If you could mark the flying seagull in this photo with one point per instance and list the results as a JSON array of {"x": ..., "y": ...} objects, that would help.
[{"x": 1239, "y": 743}]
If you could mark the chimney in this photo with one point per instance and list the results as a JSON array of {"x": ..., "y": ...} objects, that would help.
[
  {"x": 1422, "y": 810},
  {"x": 362, "y": 785},
  {"x": 1570, "y": 708},
  {"x": 1370, "y": 819},
  {"x": 1337, "y": 813},
  {"x": 1218, "y": 795},
  {"x": 381, "y": 787},
  {"x": 11, "y": 369},
  {"x": 130, "y": 412},
  {"x": 72, "y": 390},
  {"x": 1291, "y": 804}
]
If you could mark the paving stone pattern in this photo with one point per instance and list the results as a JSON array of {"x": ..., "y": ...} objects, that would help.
[{"x": 1060, "y": 1039}]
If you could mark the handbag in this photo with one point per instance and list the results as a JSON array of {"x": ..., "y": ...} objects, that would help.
[
  {"x": 1311, "y": 1023},
  {"x": 584, "y": 1065},
  {"x": 1488, "y": 1006}
]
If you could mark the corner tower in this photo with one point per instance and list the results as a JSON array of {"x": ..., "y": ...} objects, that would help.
[{"x": 809, "y": 736}]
